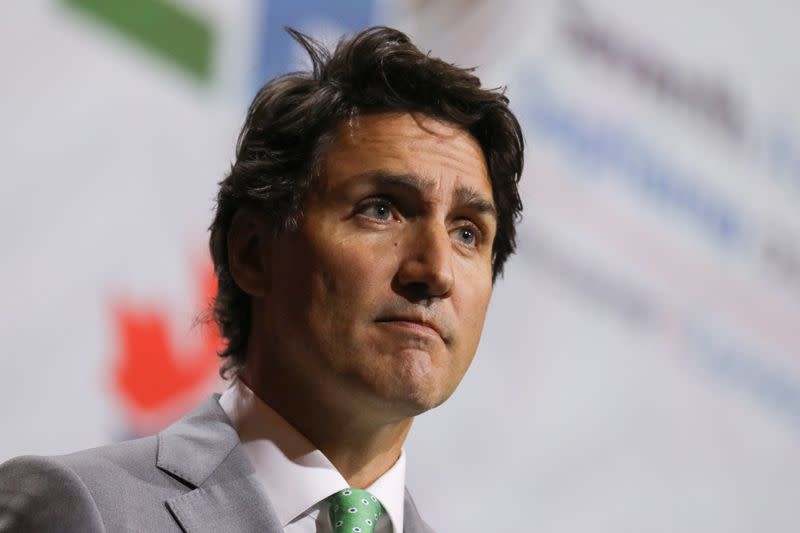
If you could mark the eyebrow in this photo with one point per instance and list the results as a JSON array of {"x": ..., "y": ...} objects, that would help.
[{"x": 463, "y": 196}]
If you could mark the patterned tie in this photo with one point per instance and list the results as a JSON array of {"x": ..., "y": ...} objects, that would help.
[{"x": 354, "y": 511}]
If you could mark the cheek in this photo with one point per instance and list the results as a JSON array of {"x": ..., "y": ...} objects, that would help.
[
  {"x": 473, "y": 305},
  {"x": 349, "y": 280}
]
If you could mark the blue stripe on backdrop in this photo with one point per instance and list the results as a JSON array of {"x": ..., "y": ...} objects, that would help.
[{"x": 274, "y": 46}]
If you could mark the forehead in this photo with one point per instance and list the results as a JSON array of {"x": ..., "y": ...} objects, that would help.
[{"x": 443, "y": 156}]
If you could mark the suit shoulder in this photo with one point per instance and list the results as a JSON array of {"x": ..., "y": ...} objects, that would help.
[
  {"x": 117, "y": 487},
  {"x": 133, "y": 456},
  {"x": 118, "y": 472},
  {"x": 43, "y": 494}
]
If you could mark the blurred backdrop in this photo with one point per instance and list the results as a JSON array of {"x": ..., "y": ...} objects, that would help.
[{"x": 640, "y": 368}]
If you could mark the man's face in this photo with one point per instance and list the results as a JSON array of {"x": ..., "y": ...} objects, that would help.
[{"x": 379, "y": 296}]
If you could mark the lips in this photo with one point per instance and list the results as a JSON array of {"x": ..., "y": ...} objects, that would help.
[{"x": 414, "y": 323}]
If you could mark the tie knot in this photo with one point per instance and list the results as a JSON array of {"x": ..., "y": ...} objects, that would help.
[{"x": 354, "y": 511}]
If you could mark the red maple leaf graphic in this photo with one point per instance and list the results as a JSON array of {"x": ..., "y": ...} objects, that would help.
[{"x": 153, "y": 372}]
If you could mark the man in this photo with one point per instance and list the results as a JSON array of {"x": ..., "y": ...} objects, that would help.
[{"x": 356, "y": 242}]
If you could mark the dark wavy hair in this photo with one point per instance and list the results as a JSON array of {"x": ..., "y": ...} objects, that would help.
[{"x": 294, "y": 115}]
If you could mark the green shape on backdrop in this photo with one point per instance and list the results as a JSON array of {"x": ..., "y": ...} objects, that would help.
[{"x": 173, "y": 33}]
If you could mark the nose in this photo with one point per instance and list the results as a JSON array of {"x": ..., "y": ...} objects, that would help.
[{"x": 426, "y": 269}]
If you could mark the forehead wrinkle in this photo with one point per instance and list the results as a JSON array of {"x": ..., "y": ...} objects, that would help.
[
  {"x": 417, "y": 143},
  {"x": 433, "y": 157}
]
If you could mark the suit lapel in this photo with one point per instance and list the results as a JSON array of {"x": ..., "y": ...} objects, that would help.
[
  {"x": 203, "y": 450},
  {"x": 412, "y": 521},
  {"x": 236, "y": 506}
]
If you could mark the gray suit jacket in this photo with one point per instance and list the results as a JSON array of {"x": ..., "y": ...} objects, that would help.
[{"x": 194, "y": 476}]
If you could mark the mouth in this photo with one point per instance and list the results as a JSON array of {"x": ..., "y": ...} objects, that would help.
[{"x": 416, "y": 325}]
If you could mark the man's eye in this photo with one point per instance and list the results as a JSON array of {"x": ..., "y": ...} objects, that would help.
[
  {"x": 467, "y": 235},
  {"x": 377, "y": 210}
]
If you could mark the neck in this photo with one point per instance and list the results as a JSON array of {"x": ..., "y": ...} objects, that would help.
[
  {"x": 360, "y": 446},
  {"x": 363, "y": 456}
]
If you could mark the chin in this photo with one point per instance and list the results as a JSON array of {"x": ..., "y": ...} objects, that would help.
[
  {"x": 417, "y": 386},
  {"x": 408, "y": 404}
]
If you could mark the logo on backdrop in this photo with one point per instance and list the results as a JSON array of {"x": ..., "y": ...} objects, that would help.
[{"x": 165, "y": 364}]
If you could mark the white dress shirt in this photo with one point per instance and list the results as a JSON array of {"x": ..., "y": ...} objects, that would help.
[{"x": 295, "y": 475}]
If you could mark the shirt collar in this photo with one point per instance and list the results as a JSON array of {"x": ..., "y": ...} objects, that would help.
[{"x": 294, "y": 473}]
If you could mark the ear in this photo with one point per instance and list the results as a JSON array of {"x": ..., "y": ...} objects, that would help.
[{"x": 249, "y": 251}]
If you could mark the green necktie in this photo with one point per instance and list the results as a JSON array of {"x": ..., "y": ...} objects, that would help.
[{"x": 354, "y": 511}]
